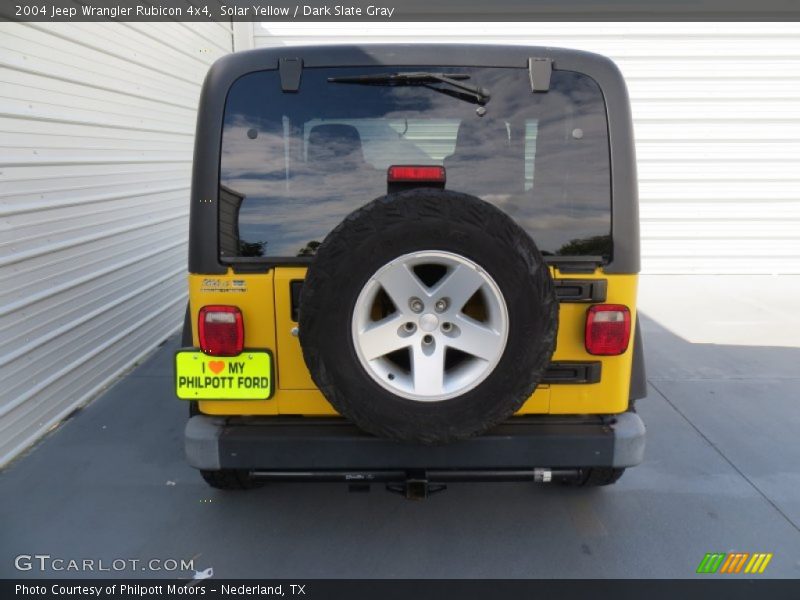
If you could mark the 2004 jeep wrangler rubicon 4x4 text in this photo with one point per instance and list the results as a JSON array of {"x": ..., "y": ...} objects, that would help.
[{"x": 413, "y": 264}]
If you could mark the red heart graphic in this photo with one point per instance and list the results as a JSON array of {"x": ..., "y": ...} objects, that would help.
[{"x": 217, "y": 366}]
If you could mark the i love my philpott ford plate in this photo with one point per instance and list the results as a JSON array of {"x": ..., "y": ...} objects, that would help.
[{"x": 244, "y": 377}]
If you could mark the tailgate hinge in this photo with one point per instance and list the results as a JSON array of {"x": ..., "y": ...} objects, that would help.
[
  {"x": 290, "y": 69},
  {"x": 539, "y": 70}
]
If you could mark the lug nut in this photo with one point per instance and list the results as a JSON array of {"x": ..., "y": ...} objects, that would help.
[
  {"x": 409, "y": 327},
  {"x": 427, "y": 340},
  {"x": 441, "y": 305},
  {"x": 416, "y": 305},
  {"x": 447, "y": 326}
]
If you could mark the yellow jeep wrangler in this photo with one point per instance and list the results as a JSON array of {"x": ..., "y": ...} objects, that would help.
[{"x": 413, "y": 264}]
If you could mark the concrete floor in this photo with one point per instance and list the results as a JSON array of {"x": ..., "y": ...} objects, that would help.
[{"x": 721, "y": 474}]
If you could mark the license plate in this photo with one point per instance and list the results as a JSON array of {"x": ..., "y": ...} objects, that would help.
[{"x": 244, "y": 377}]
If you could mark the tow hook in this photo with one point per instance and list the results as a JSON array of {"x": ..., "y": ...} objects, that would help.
[{"x": 416, "y": 488}]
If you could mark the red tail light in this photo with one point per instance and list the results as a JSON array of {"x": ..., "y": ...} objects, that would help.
[
  {"x": 221, "y": 330},
  {"x": 410, "y": 173},
  {"x": 608, "y": 329}
]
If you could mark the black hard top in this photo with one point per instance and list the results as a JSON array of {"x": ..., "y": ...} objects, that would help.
[{"x": 203, "y": 243}]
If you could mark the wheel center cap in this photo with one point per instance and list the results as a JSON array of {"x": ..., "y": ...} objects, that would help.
[{"x": 428, "y": 322}]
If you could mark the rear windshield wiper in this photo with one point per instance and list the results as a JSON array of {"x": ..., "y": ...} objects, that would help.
[{"x": 463, "y": 91}]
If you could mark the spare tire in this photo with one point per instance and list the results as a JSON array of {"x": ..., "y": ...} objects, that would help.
[{"x": 427, "y": 316}]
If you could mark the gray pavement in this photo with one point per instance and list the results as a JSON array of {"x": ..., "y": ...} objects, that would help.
[{"x": 721, "y": 474}]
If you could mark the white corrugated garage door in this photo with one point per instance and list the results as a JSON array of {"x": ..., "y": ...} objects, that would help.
[
  {"x": 717, "y": 118},
  {"x": 96, "y": 129}
]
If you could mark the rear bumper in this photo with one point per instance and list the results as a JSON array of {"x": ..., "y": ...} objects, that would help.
[{"x": 305, "y": 444}]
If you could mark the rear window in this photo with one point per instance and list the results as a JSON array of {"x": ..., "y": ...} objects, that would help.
[{"x": 293, "y": 165}]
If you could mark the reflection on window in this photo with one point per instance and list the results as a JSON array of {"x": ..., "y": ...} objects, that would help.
[
  {"x": 294, "y": 165},
  {"x": 531, "y": 129}
]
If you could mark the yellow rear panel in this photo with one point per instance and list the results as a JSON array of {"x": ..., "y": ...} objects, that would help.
[{"x": 265, "y": 302}]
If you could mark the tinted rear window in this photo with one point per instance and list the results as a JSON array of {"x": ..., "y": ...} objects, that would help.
[{"x": 293, "y": 165}]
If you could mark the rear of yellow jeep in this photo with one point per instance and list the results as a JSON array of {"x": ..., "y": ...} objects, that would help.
[
  {"x": 413, "y": 264},
  {"x": 270, "y": 317}
]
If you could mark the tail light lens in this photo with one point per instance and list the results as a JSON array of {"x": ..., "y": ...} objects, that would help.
[
  {"x": 608, "y": 329},
  {"x": 221, "y": 330}
]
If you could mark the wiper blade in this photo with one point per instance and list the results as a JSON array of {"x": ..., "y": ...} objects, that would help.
[{"x": 479, "y": 94}]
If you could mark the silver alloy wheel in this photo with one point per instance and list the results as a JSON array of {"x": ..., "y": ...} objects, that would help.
[{"x": 440, "y": 351}]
